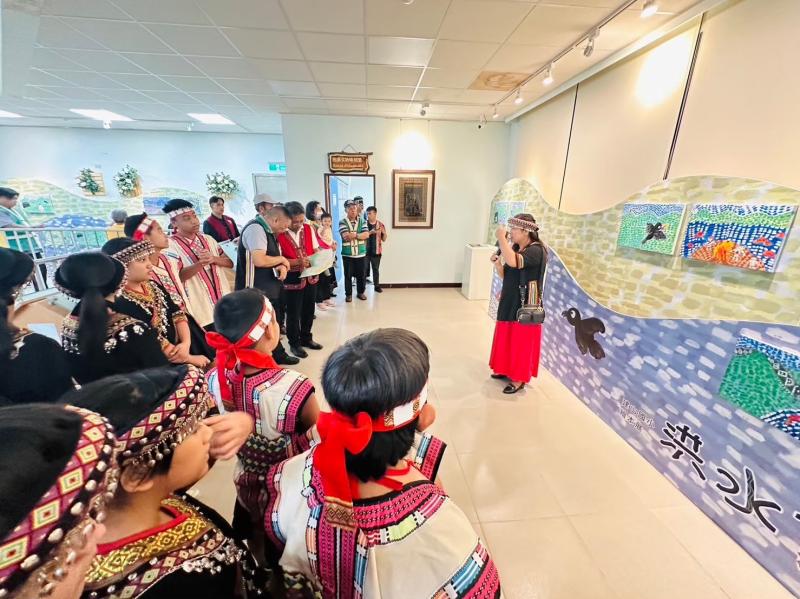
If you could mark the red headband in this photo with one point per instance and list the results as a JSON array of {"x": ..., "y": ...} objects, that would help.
[
  {"x": 340, "y": 433},
  {"x": 143, "y": 228},
  {"x": 229, "y": 353}
]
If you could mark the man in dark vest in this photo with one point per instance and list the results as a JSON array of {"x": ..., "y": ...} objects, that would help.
[{"x": 260, "y": 265}]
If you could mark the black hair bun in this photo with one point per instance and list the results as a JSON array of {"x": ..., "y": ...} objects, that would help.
[{"x": 89, "y": 270}]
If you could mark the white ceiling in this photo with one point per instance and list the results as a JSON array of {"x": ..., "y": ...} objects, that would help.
[{"x": 251, "y": 60}]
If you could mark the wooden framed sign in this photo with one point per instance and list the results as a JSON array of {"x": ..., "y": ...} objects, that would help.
[
  {"x": 348, "y": 162},
  {"x": 412, "y": 199}
]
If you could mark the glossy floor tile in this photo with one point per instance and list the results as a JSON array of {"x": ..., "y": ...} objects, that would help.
[{"x": 567, "y": 508}]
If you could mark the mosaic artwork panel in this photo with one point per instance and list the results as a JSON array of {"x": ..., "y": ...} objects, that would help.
[
  {"x": 657, "y": 385},
  {"x": 764, "y": 380},
  {"x": 750, "y": 237},
  {"x": 651, "y": 227}
]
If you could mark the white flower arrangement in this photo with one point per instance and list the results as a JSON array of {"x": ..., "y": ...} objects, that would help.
[
  {"x": 127, "y": 180},
  {"x": 87, "y": 182},
  {"x": 221, "y": 184}
]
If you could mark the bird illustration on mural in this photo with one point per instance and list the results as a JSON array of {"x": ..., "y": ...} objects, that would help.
[
  {"x": 585, "y": 330},
  {"x": 654, "y": 231}
]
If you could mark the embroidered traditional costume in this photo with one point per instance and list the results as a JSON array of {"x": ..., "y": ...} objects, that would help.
[
  {"x": 205, "y": 288},
  {"x": 274, "y": 397},
  {"x": 193, "y": 554},
  {"x": 29, "y": 351},
  {"x": 57, "y": 471},
  {"x": 129, "y": 344},
  {"x": 411, "y": 542}
]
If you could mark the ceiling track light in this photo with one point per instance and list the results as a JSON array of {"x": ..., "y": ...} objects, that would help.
[
  {"x": 589, "y": 49},
  {"x": 649, "y": 8},
  {"x": 494, "y": 114},
  {"x": 106, "y": 124},
  {"x": 548, "y": 78},
  {"x": 424, "y": 110},
  {"x": 518, "y": 99}
]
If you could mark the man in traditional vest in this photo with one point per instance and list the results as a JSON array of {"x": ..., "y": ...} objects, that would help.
[
  {"x": 354, "y": 232},
  {"x": 259, "y": 262}
]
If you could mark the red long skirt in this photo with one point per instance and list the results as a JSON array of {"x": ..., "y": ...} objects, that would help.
[{"x": 515, "y": 350}]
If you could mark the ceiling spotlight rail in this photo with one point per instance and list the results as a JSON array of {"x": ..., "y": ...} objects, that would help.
[{"x": 589, "y": 36}]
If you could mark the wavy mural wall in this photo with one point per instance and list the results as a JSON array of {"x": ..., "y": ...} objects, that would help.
[{"x": 696, "y": 366}]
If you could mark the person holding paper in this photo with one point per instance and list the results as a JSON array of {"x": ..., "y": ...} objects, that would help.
[
  {"x": 259, "y": 264},
  {"x": 298, "y": 244}
]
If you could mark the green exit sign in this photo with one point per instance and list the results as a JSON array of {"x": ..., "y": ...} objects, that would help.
[{"x": 277, "y": 167}]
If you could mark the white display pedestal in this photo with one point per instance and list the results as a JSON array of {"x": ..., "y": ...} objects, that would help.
[{"x": 477, "y": 281}]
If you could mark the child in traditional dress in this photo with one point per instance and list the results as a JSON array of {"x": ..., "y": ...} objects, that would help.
[
  {"x": 327, "y": 280},
  {"x": 340, "y": 511},
  {"x": 57, "y": 471},
  {"x": 281, "y": 401},
  {"x": 160, "y": 542}
]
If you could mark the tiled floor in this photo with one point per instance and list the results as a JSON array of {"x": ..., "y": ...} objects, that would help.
[{"x": 568, "y": 509}]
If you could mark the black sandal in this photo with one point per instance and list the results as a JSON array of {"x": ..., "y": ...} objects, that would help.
[
  {"x": 511, "y": 388},
  {"x": 498, "y": 376}
]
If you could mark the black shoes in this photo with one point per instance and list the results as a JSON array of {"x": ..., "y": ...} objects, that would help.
[
  {"x": 499, "y": 376},
  {"x": 348, "y": 299},
  {"x": 379, "y": 290},
  {"x": 298, "y": 351},
  {"x": 287, "y": 360},
  {"x": 511, "y": 388},
  {"x": 361, "y": 296},
  {"x": 311, "y": 345}
]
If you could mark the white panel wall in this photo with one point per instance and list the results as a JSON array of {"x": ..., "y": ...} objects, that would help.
[
  {"x": 539, "y": 145},
  {"x": 163, "y": 158},
  {"x": 470, "y": 166},
  {"x": 743, "y": 113},
  {"x": 624, "y": 121}
]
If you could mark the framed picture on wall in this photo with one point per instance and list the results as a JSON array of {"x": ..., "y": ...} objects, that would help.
[{"x": 412, "y": 199}]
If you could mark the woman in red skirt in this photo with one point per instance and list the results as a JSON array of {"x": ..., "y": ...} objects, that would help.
[{"x": 515, "y": 349}]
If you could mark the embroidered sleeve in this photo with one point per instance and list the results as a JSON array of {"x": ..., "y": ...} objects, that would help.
[
  {"x": 179, "y": 316},
  {"x": 427, "y": 453},
  {"x": 530, "y": 257},
  {"x": 296, "y": 397}
]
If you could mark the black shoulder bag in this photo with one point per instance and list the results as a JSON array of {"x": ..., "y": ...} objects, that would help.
[{"x": 530, "y": 293}]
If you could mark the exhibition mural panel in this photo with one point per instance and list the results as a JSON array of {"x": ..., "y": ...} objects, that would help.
[{"x": 695, "y": 364}]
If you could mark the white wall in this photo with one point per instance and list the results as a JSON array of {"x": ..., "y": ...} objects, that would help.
[
  {"x": 741, "y": 117},
  {"x": 470, "y": 166},
  {"x": 163, "y": 158}
]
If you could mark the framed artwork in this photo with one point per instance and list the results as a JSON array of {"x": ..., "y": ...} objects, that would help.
[
  {"x": 412, "y": 199},
  {"x": 745, "y": 236},
  {"x": 651, "y": 227}
]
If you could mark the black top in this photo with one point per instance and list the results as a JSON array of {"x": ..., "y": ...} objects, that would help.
[
  {"x": 36, "y": 372},
  {"x": 372, "y": 242},
  {"x": 154, "y": 306},
  {"x": 532, "y": 262},
  {"x": 196, "y": 559},
  {"x": 248, "y": 275},
  {"x": 130, "y": 345}
]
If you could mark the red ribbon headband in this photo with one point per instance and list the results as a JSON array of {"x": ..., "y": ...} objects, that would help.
[
  {"x": 143, "y": 228},
  {"x": 340, "y": 433},
  {"x": 230, "y": 353}
]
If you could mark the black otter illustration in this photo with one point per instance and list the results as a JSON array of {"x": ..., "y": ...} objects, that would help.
[{"x": 585, "y": 330}]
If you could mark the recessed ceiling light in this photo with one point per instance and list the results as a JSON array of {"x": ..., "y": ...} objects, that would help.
[
  {"x": 4, "y": 114},
  {"x": 100, "y": 115},
  {"x": 210, "y": 118}
]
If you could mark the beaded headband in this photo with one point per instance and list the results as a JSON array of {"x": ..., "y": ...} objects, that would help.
[
  {"x": 158, "y": 434},
  {"x": 179, "y": 211},
  {"x": 75, "y": 295},
  {"x": 525, "y": 225},
  {"x": 45, "y": 544},
  {"x": 143, "y": 228},
  {"x": 137, "y": 251}
]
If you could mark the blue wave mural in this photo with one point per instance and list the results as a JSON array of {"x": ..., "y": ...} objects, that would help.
[{"x": 656, "y": 382}]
